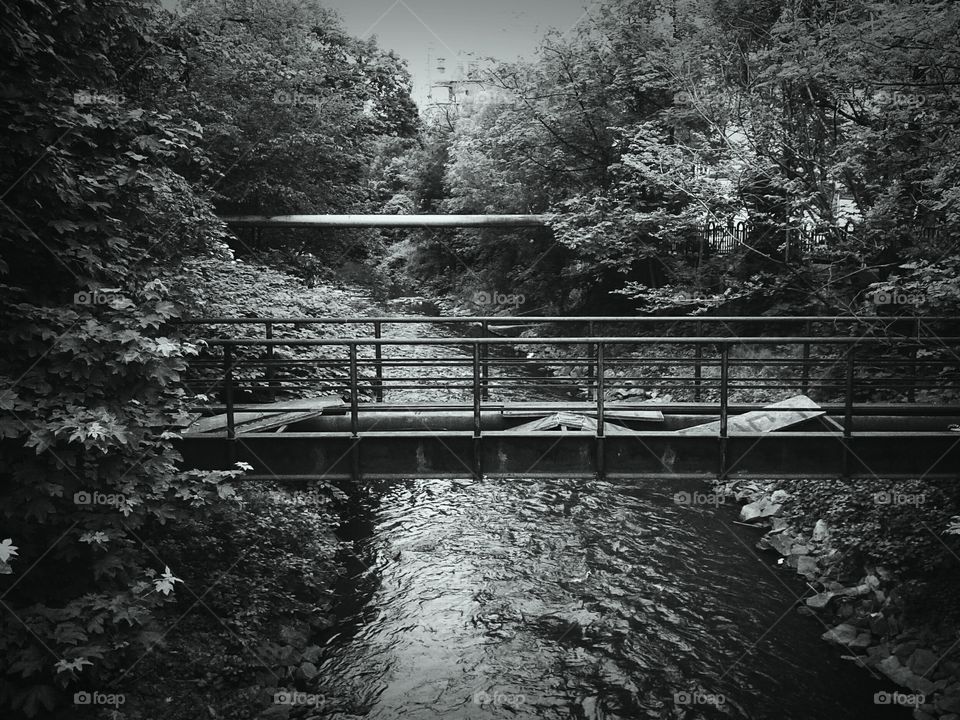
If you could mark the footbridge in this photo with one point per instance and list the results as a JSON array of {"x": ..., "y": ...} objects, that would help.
[{"x": 331, "y": 398}]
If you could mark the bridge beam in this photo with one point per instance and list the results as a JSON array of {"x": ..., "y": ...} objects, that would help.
[
  {"x": 445, "y": 453},
  {"x": 385, "y": 221}
]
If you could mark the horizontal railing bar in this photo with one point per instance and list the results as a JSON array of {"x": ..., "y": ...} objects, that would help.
[
  {"x": 514, "y": 319},
  {"x": 744, "y": 340},
  {"x": 575, "y": 406}
]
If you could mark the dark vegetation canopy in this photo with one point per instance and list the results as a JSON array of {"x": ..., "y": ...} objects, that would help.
[{"x": 127, "y": 130}]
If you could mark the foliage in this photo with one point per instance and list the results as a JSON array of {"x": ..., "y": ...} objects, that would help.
[
  {"x": 651, "y": 118},
  {"x": 900, "y": 524},
  {"x": 96, "y": 196},
  {"x": 293, "y": 110}
]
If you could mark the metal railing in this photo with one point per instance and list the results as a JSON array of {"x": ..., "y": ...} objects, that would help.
[
  {"x": 849, "y": 376},
  {"x": 894, "y": 329}
]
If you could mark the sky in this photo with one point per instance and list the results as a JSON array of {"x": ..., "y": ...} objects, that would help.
[{"x": 421, "y": 31}]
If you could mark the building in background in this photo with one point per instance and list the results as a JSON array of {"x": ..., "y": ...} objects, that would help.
[{"x": 460, "y": 87}]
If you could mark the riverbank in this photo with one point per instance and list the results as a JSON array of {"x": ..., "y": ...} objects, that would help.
[
  {"x": 260, "y": 573},
  {"x": 872, "y": 613}
]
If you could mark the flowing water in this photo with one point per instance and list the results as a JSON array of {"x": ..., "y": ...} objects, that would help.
[{"x": 534, "y": 598}]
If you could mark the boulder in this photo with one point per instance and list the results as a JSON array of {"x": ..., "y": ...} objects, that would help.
[
  {"x": 904, "y": 650},
  {"x": 820, "y": 531},
  {"x": 307, "y": 670},
  {"x": 820, "y": 600},
  {"x": 779, "y": 496},
  {"x": 922, "y": 661},
  {"x": 843, "y": 634},
  {"x": 949, "y": 702},
  {"x": 922, "y": 685},
  {"x": 879, "y": 624},
  {"x": 856, "y": 591},
  {"x": 892, "y": 668},
  {"x": 762, "y": 508},
  {"x": 807, "y": 566},
  {"x": 781, "y": 542}
]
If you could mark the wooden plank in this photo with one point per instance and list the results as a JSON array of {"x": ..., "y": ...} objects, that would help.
[
  {"x": 773, "y": 417},
  {"x": 567, "y": 420},
  {"x": 264, "y": 418}
]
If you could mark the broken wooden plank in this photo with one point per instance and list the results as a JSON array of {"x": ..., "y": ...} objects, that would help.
[
  {"x": 265, "y": 419},
  {"x": 565, "y": 421},
  {"x": 772, "y": 417}
]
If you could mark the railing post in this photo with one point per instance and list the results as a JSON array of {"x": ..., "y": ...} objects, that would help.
[
  {"x": 724, "y": 406},
  {"x": 698, "y": 364},
  {"x": 848, "y": 410},
  {"x": 485, "y": 355},
  {"x": 590, "y": 375},
  {"x": 378, "y": 361},
  {"x": 601, "y": 451},
  {"x": 354, "y": 394},
  {"x": 477, "y": 418},
  {"x": 354, "y": 415},
  {"x": 805, "y": 366},
  {"x": 228, "y": 401},
  {"x": 228, "y": 388},
  {"x": 269, "y": 374}
]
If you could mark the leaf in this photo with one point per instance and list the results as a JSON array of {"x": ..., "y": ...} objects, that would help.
[
  {"x": 164, "y": 584},
  {"x": 70, "y": 665},
  {"x": 7, "y": 550}
]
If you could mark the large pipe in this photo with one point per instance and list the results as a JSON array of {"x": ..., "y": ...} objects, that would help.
[{"x": 345, "y": 221}]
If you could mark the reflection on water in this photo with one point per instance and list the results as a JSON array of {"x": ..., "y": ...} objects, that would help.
[{"x": 533, "y": 598}]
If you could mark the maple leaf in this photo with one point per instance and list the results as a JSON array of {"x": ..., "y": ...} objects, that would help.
[
  {"x": 75, "y": 664},
  {"x": 7, "y": 550},
  {"x": 164, "y": 584}
]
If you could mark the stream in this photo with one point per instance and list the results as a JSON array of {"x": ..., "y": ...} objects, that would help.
[
  {"x": 568, "y": 598},
  {"x": 526, "y": 598}
]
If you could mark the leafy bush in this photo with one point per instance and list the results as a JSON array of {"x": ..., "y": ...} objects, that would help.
[
  {"x": 96, "y": 196},
  {"x": 900, "y": 524}
]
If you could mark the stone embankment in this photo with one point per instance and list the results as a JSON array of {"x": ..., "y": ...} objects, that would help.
[{"x": 862, "y": 611}]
